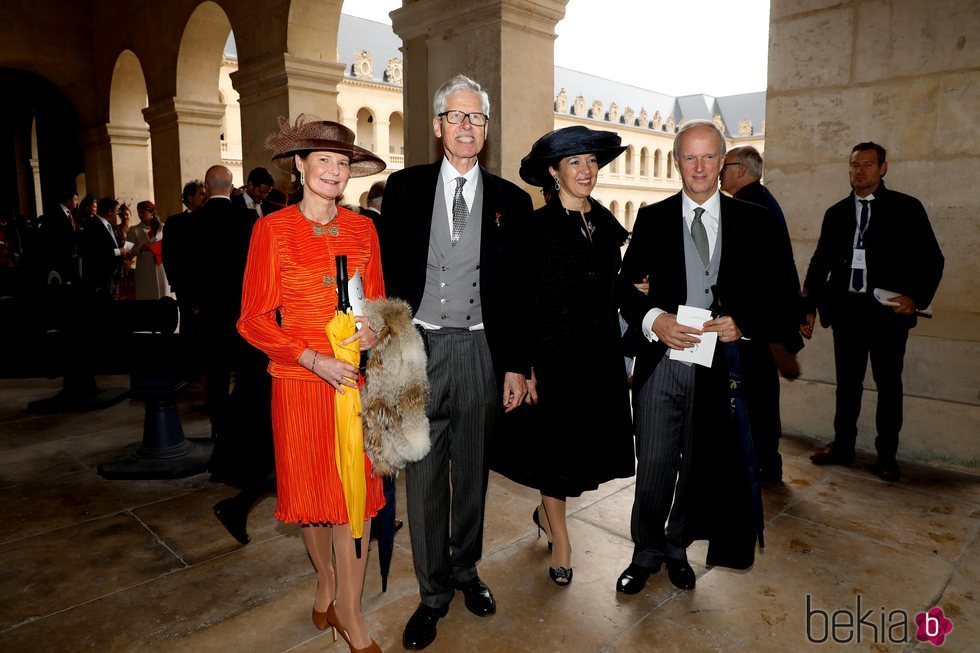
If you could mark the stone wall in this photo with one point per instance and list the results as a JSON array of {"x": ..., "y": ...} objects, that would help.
[{"x": 906, "y": 74}]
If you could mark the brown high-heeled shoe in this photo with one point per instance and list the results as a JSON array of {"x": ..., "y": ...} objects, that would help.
[
  {"x": 320, "y": 621},
  {"x": 334, "y": 620}
]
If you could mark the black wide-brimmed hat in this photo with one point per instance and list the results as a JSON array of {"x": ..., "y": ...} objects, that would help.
[
  {"x": 555, "y": 146},
  {"x": 311, "y": 135}
]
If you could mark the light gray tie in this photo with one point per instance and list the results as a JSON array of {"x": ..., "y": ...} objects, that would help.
[
  {"x": 700, "y": 236},
  {"x": 461, "y": 213}
]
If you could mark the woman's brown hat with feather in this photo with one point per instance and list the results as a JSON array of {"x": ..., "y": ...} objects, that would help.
[{"x": 311, "y": 135}]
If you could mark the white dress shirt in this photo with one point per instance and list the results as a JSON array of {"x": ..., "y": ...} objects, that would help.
[
  {"x": 250, "y": 203},
  {"x": 858, "y": 234},
  {"x": 449, "y": 175},
  {"x": 711, "y": 219}
]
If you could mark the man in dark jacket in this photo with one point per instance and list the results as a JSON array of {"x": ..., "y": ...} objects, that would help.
[
  {"x": 874, "y": 239},
  {"x": 450, "y": 232},
  {"x": 240, "y": 421},
  {"x": 740, "y": 177},
  {"x": 699, "y": 249}
]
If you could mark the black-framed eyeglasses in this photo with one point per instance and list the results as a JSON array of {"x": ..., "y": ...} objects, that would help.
[
  {"x": 457, "y": 117},
  {"x": 735, "y": 163}
]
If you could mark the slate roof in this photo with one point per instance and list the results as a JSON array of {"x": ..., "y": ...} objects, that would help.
[{"x": 378, "y": 39}]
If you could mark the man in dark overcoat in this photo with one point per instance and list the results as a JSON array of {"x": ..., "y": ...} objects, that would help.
[{"x": 701, "y": 249}]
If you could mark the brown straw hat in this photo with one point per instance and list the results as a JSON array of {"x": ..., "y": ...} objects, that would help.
[{"x": 311, "y": 135}]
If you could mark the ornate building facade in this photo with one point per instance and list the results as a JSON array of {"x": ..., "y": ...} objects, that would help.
[{"x": 369, "y": 102}]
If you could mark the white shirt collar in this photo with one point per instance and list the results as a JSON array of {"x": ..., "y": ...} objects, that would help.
[
  {"x": 449, "y": 174},
  {"x": 711, "y": 206}
]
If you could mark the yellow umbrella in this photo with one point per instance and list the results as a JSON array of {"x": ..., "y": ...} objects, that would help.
[{"x": 349, "y": 443}]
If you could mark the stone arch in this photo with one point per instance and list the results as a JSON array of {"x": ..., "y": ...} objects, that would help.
[
  {"x": 629, "y": 160},
  {"x": 312, "y": 27},
  {"x": 128, "y": 135},
  {"x": 670, "y": 165},
  {"x": 644, "y": 162},
  {"x": 200, "y": 53},
  {"x": 186, "y": 126},
  {"x": 396, "y": 136},
  {"x": 40, "y": 155},
  {"x": 658, "y": 170},
  {"x": 614, "y": 208},
  {"x": 629, "y": 216},
  {"x": 365, "y": 128},
  {"x": 614, "y": 166}
]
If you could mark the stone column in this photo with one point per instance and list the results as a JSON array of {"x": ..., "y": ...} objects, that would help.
[
  {"x": 97, "y": 153},
  {"x": 284, "y": 85},
  {"x": 905, "y": 74},
  {"x": 505, "y": 45},
  {"x": 130, "y": 151},
  {"x": 185, "y": 144}
]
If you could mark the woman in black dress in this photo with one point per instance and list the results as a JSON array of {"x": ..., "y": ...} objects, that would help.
[{"x": 576, "y": 432}]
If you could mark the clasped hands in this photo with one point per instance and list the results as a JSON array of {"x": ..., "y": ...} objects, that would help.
[
  {"x": 335, "y": 371},
  {"x": 681, "y": 336}
]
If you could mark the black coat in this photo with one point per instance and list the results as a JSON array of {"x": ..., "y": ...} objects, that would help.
[
  {"x": 100, "y": 263},
  {"x": 900, "y": 248},
  {"x": 720, "y": 508},
  {"x": 177, "y": 252},
  {"x": 406, "y": 221},
  {"x": 789, "y": 333},
  {"x": 221, "y": 233},
  {"x": 577, "y": 353}
]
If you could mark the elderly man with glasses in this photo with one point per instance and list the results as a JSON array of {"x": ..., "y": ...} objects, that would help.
[{"x": 450, "y": 232}]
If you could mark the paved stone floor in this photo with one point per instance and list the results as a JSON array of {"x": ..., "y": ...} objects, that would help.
[{"x": 90, "y": 564}]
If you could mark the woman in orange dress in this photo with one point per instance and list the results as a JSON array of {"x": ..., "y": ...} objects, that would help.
[{"x": 291, "y": 270}]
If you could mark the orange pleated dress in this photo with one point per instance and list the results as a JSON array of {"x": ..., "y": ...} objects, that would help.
[{"x": 291, "y": 268}]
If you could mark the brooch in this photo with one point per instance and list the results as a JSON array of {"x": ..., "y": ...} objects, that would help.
[
  {"x": 328, "y": 280},
  {"x": 320, "y": 230},
  {"x": 499, "y": 215}
]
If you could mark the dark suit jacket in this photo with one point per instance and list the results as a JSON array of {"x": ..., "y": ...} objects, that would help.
[
  {"x": 746, "y": 287},
  {"x": 57, "y": 240},
  {"x": 100, "y": 265},
  {"x": 406, "y": 221},
  {"x": 900, "y": 248},
  {"x": 221, "y": 232},
  {"x": 756, "y": 193},
  {"x": 720, "y": 507},
  {"x": 177, "y": 246}
]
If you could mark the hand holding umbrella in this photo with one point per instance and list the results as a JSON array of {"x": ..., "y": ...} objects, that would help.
[{"x": 349, "y": 446}]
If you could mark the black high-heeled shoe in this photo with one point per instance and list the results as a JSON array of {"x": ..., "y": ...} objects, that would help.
[
  {"x": 562, "y": 576},
  {"x": 537, "y": 522}
]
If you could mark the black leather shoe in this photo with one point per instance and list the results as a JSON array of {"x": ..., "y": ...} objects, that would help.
[
  {"x": 831, "y": 456},
  {"x": 887, "y": 471},
  {"x": 479, "y": 598},
  {"x": 634, "y": 578},
  {"x": 420, "y": 631},
  {"x": 233, "y": 518},
  {"x": 680, "y": 574}
]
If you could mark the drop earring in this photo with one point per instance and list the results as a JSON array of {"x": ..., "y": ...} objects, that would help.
[
  {"x": 557, "y": 184},
  {"x": 302, "y": 178}
]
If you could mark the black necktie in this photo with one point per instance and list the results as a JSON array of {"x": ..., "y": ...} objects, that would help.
[{"x": 857, "y": 281}]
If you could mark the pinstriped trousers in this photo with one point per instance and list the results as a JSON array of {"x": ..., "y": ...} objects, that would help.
[
  {"x": 664, "y": 415},
  {"x": 447, "y": 489}
]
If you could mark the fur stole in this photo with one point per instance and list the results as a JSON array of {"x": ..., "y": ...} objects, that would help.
[{"x": 396, "y": 430}]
